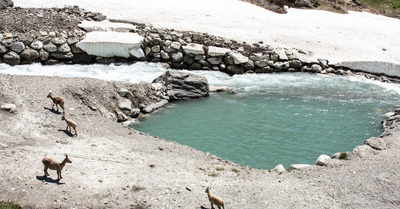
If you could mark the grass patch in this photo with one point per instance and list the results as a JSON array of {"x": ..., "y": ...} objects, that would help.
[
  {"x": 343, "y": 156},
  {"x": 213, "y": 174},
  {"x": 220, "y": 169},
  {"x": 9, "y": 205},
  {"x": 235, "y": 170},
  {"x": 394, "y": 4}
]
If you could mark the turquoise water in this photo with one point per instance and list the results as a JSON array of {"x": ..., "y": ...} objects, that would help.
[
  {"x": 294, "y": 118},
  {"x": 272, "y": 119}
]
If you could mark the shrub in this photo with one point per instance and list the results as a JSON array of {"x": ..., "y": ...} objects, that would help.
[{"x": 9, "y": 205}]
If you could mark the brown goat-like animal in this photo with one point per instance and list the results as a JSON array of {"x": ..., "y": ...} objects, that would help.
[
  {"x": 215, "y": 200},
  {"x": 56, "y": 101},
  {"x": 70, "y": 124},
  {"x": 54, "y": 165}
]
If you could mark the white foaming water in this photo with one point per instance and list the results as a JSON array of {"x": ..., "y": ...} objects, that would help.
[
  {"x": 284, "y": 83},
  {"x": 134, "y": 73}
]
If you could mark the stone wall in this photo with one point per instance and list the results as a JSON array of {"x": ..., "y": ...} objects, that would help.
[{"x": 181, "y": 50}]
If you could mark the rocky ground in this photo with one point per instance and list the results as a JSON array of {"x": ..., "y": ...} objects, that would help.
[{"x": 117, "y": 167}]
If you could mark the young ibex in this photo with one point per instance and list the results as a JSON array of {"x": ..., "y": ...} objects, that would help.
[
  {"x": 54, "y": 165},
  {"x": 215, "y": 200},
  {"x": 56, "y": 101},
  {"x": 70, "y": 124}
]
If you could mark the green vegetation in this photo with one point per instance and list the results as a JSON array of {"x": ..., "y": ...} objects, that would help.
[
  {"x": 343, "y": 156},
  {"x": 9, "y": 205},
  {"x": 381, "y": 4}
]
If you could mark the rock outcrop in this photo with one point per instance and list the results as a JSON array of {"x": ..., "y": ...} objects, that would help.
[{"x": 181, "y": 85}]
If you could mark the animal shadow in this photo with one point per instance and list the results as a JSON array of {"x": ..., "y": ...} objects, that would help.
[
  {"x": 67, "y": 132},
  {"x": 49, "y": 180},
  {"x": 52, "y": 110}
]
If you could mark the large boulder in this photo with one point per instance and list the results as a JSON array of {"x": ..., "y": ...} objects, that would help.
[{"x": 182, "y": 85}]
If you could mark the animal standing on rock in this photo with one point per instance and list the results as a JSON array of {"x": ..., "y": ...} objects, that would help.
[
  {"x": 70, "y": 124},
  {"x": 56, "y": 101},
  {"x": 215, "y": 200},
  {"x": 54, "y": 165}
]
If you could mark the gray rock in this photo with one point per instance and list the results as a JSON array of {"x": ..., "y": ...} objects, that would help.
[
  {"x": 364, "y": 151},
  {"x": 72, "y": 40},
  {"x": 195, "y": 66},
  {"x": 30, "y": 54},
  {"x": 121, "y": 117},
  {"x": 125, "y": 104},
  {"x": 215, "y": 60},
  {"x": 235, "y": 69},
  {"x": 266, "y": 69},
  {"x": 261, "y": 63},
  {"x": 199, "y": 57},
  {"x": 182, "y": 85},
  {"x": 130, "y": 122},
  {"x": 150, "y": 108},
  {"x": 43, "y": 54},
  {"x": 59, "y": 55},
  {"x": 12, "y": 58},
  {"x": 59, "y": 41},
  {"x": 9, "y": 107},
  {"x": 37, "y": 45},
  {"x": 164, "y": 55},
  {"x": 17, "y": 47},
  {"x": 50, "y": 47},
  {"x": 155, "y": 41},
  {"x": 217, "y": 51},
  {"x": 279, "y": 169},
  {"x": 376, "y": 143},
  {"x": 322, "y": 160},
  {"x": 238, "y": 58},
  {"x": 76, "y": 50},
  {"x": 316, "y": 68},
  {"x": 3, "y": 49},
  {"x": 156, "y": 49},
  {"x": 177, "y": 57},
  {"x": 176, "y": 45},
  {"x": 125, "y": 93},
  {"x": 64, "y": 48},
  {"x": 52, "y": 34},
  {"x": 1, "y": 37},
  {"x": 282, "y": 55},
  {"x": 295, "y": 64},
  {"x": 169, "y": 49},
  {"x": 298, "y": 166},
  {"x": 281, "y": 65},
  {"x": 188, "y": 60},
  {"x": 193, "y": 49},
  {"x": 249, "y": 65}
]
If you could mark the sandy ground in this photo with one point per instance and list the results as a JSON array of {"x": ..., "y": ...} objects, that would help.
[
  {"x": 117, "y": 167},
  {"x": 337, "y": 37}
]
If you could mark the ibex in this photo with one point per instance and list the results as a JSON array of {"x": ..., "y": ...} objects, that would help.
[
  {"x": 56, "y": 101},
  {"x": 215, "y": 200},
  {"x": 54, "y": 165}
]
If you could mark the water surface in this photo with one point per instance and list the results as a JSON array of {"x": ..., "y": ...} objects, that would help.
[{"x": 271, "y": 119}]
